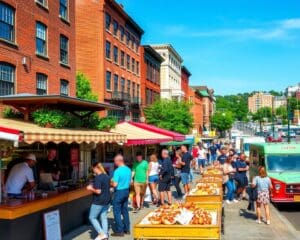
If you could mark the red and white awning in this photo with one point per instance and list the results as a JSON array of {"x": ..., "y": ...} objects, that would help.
[{"x": 10, "y": 134}]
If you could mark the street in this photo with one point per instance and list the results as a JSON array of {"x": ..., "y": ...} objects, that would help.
[{"x": 292, "y": 213}]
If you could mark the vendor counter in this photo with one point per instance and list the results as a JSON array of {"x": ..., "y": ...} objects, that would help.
[{"x": 23, "y": 219}]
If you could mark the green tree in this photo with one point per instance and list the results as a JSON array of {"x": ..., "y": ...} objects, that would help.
[
  {"x": 262, "y": 115},
  {"x": 171, "y": 115},
  {"x": 281, "y": 112},
  {"x": 275, "y": 93},
  {"x": 222, "y": 121},
  {"x": 83, "y": 88}
]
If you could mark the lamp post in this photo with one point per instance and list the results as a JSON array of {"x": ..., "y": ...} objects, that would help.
[{"x": 289, "y": 114}]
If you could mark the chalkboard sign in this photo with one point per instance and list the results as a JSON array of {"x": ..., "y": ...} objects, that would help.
[{"x": 52, "y": 225}]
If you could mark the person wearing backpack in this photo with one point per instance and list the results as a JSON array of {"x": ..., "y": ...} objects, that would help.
[{"x": 263, "y": 184}]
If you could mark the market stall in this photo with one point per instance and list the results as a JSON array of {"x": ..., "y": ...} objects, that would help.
[{"x": 23, "y": 216}]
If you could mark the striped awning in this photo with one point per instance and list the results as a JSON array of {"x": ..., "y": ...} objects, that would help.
[
  {"x": 33, "y": 133},
  {"x": 139, "y": 136},
  {"x": 10, "y": 134}
]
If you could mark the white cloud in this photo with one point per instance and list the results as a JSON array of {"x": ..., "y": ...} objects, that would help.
[{"x": 279, "y": 30}]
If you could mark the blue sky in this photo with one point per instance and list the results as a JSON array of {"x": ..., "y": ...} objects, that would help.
[{"x": 230, "y": 45}]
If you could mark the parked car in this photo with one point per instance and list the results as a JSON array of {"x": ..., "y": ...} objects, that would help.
[{"x": 274, "y": 138}]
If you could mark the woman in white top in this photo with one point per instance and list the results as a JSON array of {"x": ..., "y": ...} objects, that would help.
[
  {"x": 153, "y": 178},
  {"x": 228, "y": 180}
]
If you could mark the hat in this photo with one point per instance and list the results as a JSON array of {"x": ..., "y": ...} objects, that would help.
[{"x": 30, "y": 156}]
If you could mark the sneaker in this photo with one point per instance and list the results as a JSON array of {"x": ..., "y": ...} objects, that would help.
[
  {"x": 136, "y": 210},
  {"x": 258, "y": 221},
  {"x": 228, "y": 202},
  {"x": 268, "y": 222},
  {"x": 235, "y": 200}
]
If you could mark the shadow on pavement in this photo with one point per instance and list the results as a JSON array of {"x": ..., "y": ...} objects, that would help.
[{"x": 248, "y": 215}]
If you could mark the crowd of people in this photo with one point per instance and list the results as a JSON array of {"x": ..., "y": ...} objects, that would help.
[{"x": 171, "y": 167}]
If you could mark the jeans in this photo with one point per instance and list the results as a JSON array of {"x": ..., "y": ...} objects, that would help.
[
  {"x": 120, "y": 209},
  {"x": 213, "y": 157},
  {"x": 201, "y": 162},
  {"x": 191, "y": 175},
  {"x": 230, "y": 189},
  {"x": 97, "y": 211},
  {"x": 177, "y": 181}
]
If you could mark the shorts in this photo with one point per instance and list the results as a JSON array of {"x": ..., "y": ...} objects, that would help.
[
  {"x": 164, "y": 184},
  {"x": 185, "y": 178},
  {"x": 242, "y": 181},
  {"x": 153, "y": 179},
  {"x": 201, "y": 162},
  {"x": 263, "y": 197},
  {"x": 140, "y": 188}
]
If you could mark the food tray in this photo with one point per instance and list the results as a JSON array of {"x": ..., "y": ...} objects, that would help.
[
  {"x": 219, "y": 183},
  {"x": 205, "y": 198},
  {"x": 182, "y": 232}
]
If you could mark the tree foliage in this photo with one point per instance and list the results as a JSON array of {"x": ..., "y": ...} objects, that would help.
[
  {"x": 222, "y": 121},
  {"x": 236, "y": 104},
  {"x": 281, "y": 112},
  {"x": 262, "y": 114},
  {"x": 171, "y": 115},
  {"x": 83, "y": 88}
]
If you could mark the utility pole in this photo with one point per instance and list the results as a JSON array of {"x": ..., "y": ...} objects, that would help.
[
  {"x": 273, "y": 116},
  {"x": 289, "y": 113}
]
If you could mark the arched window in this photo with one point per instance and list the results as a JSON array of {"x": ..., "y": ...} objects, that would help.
[
  {"x": 7, "y": 79},
  {"x": 7, "y": 22}
]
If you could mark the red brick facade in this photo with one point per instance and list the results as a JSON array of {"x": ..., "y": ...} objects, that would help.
[
  {"x": 20, "y": 51},
  {"x": 185, "y": 75},
  {"x": 197, "y": 110},
  {"x": 150, "y": 75},
  {"x": 104, "y": 26}
]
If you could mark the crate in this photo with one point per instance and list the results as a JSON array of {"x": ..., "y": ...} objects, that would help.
[
  {"x": 205, "y": 198},
  {"x": 219, "y": 183},
  {"x": 182, "y": 232}
]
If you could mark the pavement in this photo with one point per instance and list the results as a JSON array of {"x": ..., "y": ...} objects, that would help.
[{"x": 239, "y": 224}]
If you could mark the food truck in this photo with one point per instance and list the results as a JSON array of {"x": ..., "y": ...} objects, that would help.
[
  {"x": 282, "y": 163},
  {"x": 245, "y": 143}
]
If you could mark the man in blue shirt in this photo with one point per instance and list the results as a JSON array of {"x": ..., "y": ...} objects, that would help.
[
  {"x": 222, "y": 158},
  {"x": 185, "y": 168},
  {"x": 241, "y": 175},
  {"x": 121, "y": 182},
  {"x": 213, "y": 152}
]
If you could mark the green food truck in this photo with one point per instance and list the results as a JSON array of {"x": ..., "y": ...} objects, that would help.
[{"x": 282, "y": 163}]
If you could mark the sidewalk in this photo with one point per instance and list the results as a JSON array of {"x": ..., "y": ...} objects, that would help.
[{"x": 239, "y": 225}]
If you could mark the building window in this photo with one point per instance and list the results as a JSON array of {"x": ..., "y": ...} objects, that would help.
[
  {"x": 116, "y": 54},
  {"x": 128, "y": 86},
  {"x": 107, "y": 50},
  {"x": 137, "y": 45},
  {"x": 127, "y": 38},
  {"x": 41, "y": 39},
  {"x": 107, "y": 21},
  {"x": 148, "y": 96},
  {"x": 133, "y": 65},
  {"x": 128, "y": 62},
  {"x": 133, "y": 89},
  {"x": 42, "y": 2},
  {"x": 137, "y": 68},
  {"x": 63, "y": 9},
  {"x": 122, "y": 58},
  {"x": 41, "y": 84},
  {"x": 64, "y": 49},
  {"x": 7, "y": 22},
  {"x": 122, "y": 33},
  {"x": 116, "y": 27},
  {"x": 116, "y": 83},
  {"x": 108, "y": 80},
  {"x": 132, "y": 42},
  {"x": 122, "y": 85},
  {"x": 7, "y": 79},
  {"x": 138, "y": 89},
  {"x": 64, "y": 87}
]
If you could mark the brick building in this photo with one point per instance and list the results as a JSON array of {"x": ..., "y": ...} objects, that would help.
[
  {"x": 37, "y": 47},
  {"x": 108, "y": 52},
  {"x": 150, "y": 75},
  {"x": 197, "y": 110},
  {"x": 208, "y": 103},
  {"x": 185, "y": 75},
  {"x": 259, "y": 100}
]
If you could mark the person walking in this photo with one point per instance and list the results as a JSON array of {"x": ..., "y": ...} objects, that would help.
[
  {"x": 263, "y": 184},
  {"x": 101, "y": 199},
  {"x": 228, "y": 180},
  {"x": 165, "y": 177},
  {"x": 140, "y": 180},
  {"x": 177, "y": 172},
  {"x": 201, "y": 159},
  {"x": 185, "y": 168},
  {"x": 223, "y": 155},
  {"x": 121, "y": 182},
  {"x": 153, "y": 178}
]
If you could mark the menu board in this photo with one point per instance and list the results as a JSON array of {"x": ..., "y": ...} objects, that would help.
[{"x": 52, "y": 225}]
